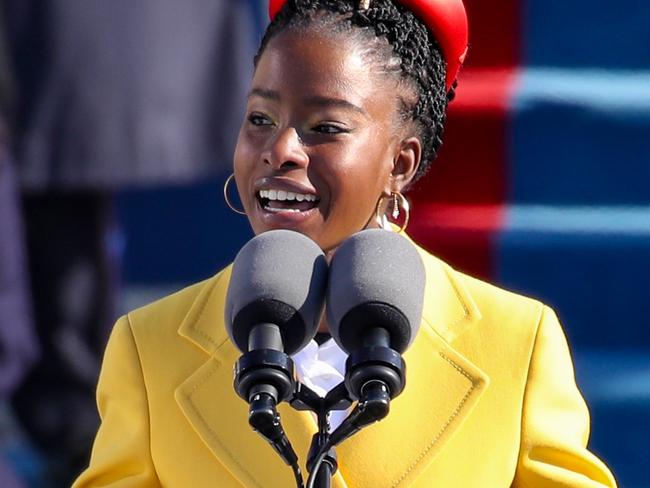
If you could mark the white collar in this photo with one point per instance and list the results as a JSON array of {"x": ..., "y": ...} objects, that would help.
[{"x": 321, "y": 368}]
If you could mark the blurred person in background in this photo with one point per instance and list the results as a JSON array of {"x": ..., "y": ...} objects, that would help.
[
  {"x": 109, "y": 95},
  {"x": 18, "y": 346}
]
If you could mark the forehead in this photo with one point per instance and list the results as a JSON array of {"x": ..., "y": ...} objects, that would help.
[{"x": 330, "y": 64}]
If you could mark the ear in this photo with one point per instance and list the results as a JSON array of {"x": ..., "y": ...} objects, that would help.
[{"x": 405, "y": 164}]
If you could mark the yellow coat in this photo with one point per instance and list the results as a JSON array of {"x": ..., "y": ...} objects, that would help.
[{"x": 490, "y": 401}]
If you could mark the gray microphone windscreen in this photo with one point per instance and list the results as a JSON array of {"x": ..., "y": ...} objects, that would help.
[
  {"x": 279, "y": 277},
  {"x": 376, "y": 279}
]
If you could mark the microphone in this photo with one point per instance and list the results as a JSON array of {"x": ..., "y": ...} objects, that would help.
[
  {"x": 273, "y": 309},
  {"x": 278, "y": 278},
  {"x": 374, "y": 308},
  {"x": 376, "y": 291}
]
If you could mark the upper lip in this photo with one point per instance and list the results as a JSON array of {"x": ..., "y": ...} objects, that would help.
[{"x": 283, "y": 183}]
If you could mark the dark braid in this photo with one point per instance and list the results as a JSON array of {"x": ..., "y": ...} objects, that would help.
[{"x": 415, "y": 56}]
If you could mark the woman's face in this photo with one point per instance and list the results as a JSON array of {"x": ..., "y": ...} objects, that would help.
[{"x": 320, "y": 142}]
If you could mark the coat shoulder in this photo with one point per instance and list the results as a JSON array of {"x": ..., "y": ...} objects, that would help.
[
  {"x": 499, "y": 306},
  {"x": 167, "y": 313}
]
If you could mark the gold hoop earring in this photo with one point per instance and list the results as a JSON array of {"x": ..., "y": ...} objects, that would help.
[
  {"x": 400, "y": 205},
  {"x": 227, "y": 198}
]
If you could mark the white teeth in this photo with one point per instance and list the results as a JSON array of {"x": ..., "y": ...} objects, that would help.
[
  {"x": 278, "y": 210},
  {"x": 282, "y": 195}
]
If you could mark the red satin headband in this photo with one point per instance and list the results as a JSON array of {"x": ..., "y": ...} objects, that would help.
[{"x": 446, "y": 19}]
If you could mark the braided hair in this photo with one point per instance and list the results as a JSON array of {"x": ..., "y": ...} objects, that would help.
[{"x": 411, "y": 54}]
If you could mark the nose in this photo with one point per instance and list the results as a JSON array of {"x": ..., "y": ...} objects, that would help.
[{"x": 286, "y": 150}]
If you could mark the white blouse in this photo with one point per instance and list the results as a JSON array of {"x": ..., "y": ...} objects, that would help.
[{"x": 321, "y": 368}]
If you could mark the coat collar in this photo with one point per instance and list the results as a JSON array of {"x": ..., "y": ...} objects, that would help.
[{"x": 220, "y": 418}]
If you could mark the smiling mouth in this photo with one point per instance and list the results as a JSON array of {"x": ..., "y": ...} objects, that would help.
[{"x": 277, "y": 201}]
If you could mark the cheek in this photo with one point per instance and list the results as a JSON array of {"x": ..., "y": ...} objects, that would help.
[
  {"x": 244, "y": 157},
  {"x": 242, "y": 148},
  {"x": 243, "y": 165},
  {"x": 360, "y": 181}
]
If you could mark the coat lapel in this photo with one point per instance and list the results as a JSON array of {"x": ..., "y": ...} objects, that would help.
[
  {"x": 442, "y": 388},
  {"x": 214, "y": 410}
]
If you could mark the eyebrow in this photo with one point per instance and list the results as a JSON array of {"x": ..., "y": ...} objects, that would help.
[
  {"x": 334, "y": 102},
  {"x": 317, "y": 101},
  {"x": 260, "y": 92}
]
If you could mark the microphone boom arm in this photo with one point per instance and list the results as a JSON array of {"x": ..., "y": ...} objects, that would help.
[{"x": 263, "y": 377}]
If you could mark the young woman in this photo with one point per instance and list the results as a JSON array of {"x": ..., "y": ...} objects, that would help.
[{"x": 345, "y": 111}]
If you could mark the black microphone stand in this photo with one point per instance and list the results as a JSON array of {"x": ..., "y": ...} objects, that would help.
[
  {"x": 264, "y": 377},
  {"x": 372, "y": 407},
  {"x": 306, "y": 399},
  {"x": 374, "y": 375}
]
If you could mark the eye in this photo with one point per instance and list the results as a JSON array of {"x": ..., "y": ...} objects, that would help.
[
  {"x": 259, "y": 119},
  {"x": 330, "y": 129}
]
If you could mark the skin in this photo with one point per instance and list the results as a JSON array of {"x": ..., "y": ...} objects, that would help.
[{"x": 322, "y": 119}]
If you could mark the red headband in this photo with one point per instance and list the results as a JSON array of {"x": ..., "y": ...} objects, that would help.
[{"x": 447, "y": 21}]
